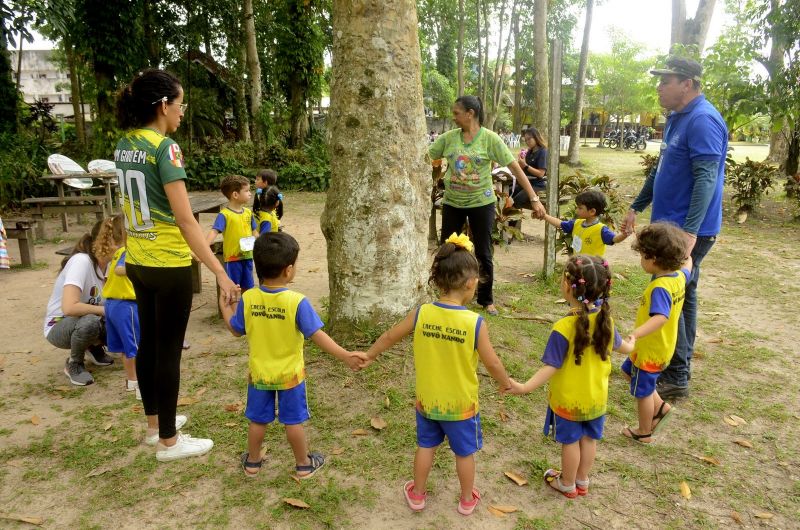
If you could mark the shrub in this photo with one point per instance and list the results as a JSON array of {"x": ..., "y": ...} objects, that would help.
[
  {"x": 23, "y": 159},
  {"x": 209, "y": 163},
  {"x": 750, "y": 180},
  {"x": 649, "y": 162}
]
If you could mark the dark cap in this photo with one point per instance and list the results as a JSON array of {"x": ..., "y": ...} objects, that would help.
[{"x": 680, "y": 66}]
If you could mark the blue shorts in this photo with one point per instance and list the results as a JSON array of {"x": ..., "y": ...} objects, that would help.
[
  {"x": 568, "y": 432},
  {"x": 465, "y": 436},
  {"x": 241, "y": 273},
  {"x": 643, "y": 383},
  {"x": 292, "y": 405},
  {"x": 122, "y": 326}
]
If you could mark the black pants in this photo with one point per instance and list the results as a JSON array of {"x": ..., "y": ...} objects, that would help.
[
  {"x": 164, "y": 297},
  {"x": 520, "y": 197},
  {"x": 481, "y": 224}
]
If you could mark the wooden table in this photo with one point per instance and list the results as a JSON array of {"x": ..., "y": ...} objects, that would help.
[
  {"x": 109, "y": 179},
  {"x": 203, "y": 204}
]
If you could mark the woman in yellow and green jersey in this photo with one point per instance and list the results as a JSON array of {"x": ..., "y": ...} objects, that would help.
[
  {"x": 577, "y": 362},
  {"x": 448, "y": 341},
  {"x": 161, "y": 230}
]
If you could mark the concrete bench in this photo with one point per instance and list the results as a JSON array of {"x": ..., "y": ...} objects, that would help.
[
  {"x": 22, "y": 230},
  {"x": 62, "y": 205}
]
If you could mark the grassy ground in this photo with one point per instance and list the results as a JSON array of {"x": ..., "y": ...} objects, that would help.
[{"x": 90, "y": 470}]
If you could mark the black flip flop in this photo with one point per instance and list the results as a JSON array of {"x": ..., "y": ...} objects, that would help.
[{"x": 246, "y": 464}]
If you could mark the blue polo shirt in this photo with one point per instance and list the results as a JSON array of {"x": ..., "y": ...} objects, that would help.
[{"x": 696, "y": 133}]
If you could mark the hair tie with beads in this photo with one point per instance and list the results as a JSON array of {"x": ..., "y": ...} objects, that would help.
[
  {"x": 581, "y": 281},
  {"x": 605, "y": 263}
]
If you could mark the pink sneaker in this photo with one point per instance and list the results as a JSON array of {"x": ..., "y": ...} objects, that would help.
[
  {"x": 466, "y": 508},
  {"x": 415, "y": 502}
]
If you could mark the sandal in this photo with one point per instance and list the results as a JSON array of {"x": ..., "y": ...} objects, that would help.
[
  {"x": 466, "y": 508},
  {"x": 317, "y": 461},
  {"x": 582, "y": 487},
  {"x": 247, "y": 465},
  {"x": 661, "y": 416},
  {"x": 414, "y": 501},
  {"x": 636, "y": 437},
  {"x": 491, "y": 312},
  {"x": 552, "y": 478}
]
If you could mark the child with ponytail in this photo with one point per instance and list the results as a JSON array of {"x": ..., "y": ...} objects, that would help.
[
  {"x": 448, "y": 341},
  {"x": 577, "y": 362}
]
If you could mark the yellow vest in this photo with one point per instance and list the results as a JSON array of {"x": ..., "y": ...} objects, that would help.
[
  {"x": 446, "y": 360},
  {"x": 271, "y": 217},
  {"x": 237, "y": 226},
  {"x": 654, "y": 351},
  {"x": 117, "y": 287},
  {"x": 276, "y": 344},
  {"x": 580, "y": 393},
  {"x": 588, "y": 240}
]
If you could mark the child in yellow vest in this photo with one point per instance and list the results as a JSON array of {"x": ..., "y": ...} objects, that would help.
[
  {"x": 577, "y": 362},
  {"x": 448, "y": 340},
  {"x": 589, "y": 235},
  {"x": 122, "y": 313},
  {"x": 276, "y": 322},
  {"x": 663, "y": 252},
  {"x": 265, "y": 179},
  {"x": 237, "y": 224},
  {"x": 265, "y": 209}
]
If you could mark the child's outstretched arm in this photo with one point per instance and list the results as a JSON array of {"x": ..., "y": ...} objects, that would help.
[
  {"x": 627, "y": 345},
  {"x": 653, "y": 324},
  {"x": 622, "y": 235},
  {"x": 228, "y": 311},
  {"x": 392, "y": 336},
  {"x": 354, "y": 360},
  {"x": 490, "y": 359},
  {"x": 542, "y": 376},
  {"x": 555, "y": 221}
]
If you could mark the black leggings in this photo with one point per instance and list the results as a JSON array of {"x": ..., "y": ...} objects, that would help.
[
  {"x": 481, "y": 224},
  {"x": 164, "y": 297}
]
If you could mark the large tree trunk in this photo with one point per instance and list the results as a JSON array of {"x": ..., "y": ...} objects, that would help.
[
  {"x": 298, "y": 114},
  {"x": 778, "y": 139},
  {"x": 376, "y": 213},
  {"x": 692, "y": 31},
  {"x": 480, "y": 48},
  {"x": 8, "y": 91},
  {"x": 580, "y": 85},
  {"x": 541, "y": 82},
  {"x": 517, "y": 114},
  {"x": 499, "y": 82},
  {"x": 254, "y": 72},
  {"x": 460, "y": 49},
  {"x": 77, "y": 107},
  {"x": 485, "y": 83},
  {"x": 240, "y": 104},
  {"x": 152, "y": 40}
]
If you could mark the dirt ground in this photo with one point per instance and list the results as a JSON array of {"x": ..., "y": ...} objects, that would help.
[{"x": 30, "y": 370}]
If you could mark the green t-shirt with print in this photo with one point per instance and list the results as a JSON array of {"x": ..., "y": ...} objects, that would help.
[
  {"x": 146, "y": 161},
  {"x": 468, "y": 181}
]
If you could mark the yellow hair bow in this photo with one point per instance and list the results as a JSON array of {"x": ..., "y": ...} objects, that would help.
[{"x": 460, "y": 240}]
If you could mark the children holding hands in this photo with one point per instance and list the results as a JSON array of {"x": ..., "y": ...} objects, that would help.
[
  {"x": 589, "y": 235},
  {"x": 276, "y": 322},
  {"x": 577, "y": 362},
  {"x": 448, "y": 341}
]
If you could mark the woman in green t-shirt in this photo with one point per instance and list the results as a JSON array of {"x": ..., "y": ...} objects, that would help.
[{"x": 470, "y": 151}]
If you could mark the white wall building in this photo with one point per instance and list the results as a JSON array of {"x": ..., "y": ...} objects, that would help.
[{"x": 42, "y": 79}]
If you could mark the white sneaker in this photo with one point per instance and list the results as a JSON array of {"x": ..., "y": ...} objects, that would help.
[
  {"x": 138, "y": 393},
  {"x": 152, "y": 440},
  {"x": 184, "y": 447},
  {"x": 130, "y": 386}
]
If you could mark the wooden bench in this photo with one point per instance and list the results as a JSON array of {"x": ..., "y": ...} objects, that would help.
[
  {"x": 22, "y": 231},
  {"x": 81, "y": 204}
]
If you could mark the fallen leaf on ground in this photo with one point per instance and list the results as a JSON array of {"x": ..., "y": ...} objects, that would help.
[
  {"x": 503, "y": 416},
  {"x": 315, "y": 269},
  {"x": 518, "y": 480},
  {"x": 708, "y": 460},
  {"x": 743, "y": 443},
  {"x": 63, "y": 388},
  {"x": 297, "y": 503},
  {"x": 231, "y": 424},
  {"x": 505, "y": 508},
  {"x": 686, "y": 493},
  {"x": 619, "y": 276},
  {"x": 715, "y": 340},
  {"x": 295, "y": 478},
  {"x": 35, "y": 420},
  {"x": 230, "y": 364},
  {"x": 386, "y": 402},
  {"x": 378, "y": 423},
  {"x": 235, "y": 407},
  {"x": 337, "y": 450},
  {"x": 24, "y": 519},
  {"x": 736, "y": 517},
  {"x": 738, "y": 419},
  {"x": 730, "y": 421},
  {"x": 494, "y": 511},
  {"x": 107, "y": 426},
  {"x": 200, "y": 392},
  {"x": 360, "y": 432},
  {"x": 95, "y": 472},
  {"x": 137, "y": 408},
  {"x": 187, "y": 401},
  {"x": 763, "y": 515},
  {"x": 561, "y": 301}
]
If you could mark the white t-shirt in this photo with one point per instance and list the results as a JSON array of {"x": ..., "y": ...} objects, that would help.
[{"x": 81, "y": 273}]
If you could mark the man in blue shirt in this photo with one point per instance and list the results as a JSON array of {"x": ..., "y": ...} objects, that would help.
[{"x": 686, "y": 188}]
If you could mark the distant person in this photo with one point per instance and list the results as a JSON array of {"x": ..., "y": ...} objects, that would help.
[
  {"x": 264, "y": 179},
  {"x": 448, "y": 341},
  {"x": 577, "y": 367},
  {"x": 533, "y": 161},
  {"x": 277, "y": 321},
  {"x": 469, "y": 194},
  {"x": 685, "y": 188},
  {"x": 589, "y": 235},
  {"x": 267, "y": 216},
  {"x": 238, "y": 227}
]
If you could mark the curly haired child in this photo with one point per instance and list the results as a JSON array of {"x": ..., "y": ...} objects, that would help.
[
  {"x": 448, "y": 341},
  {"x": 577, "y": 362},
  {"x": 662, "y": 250}
]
